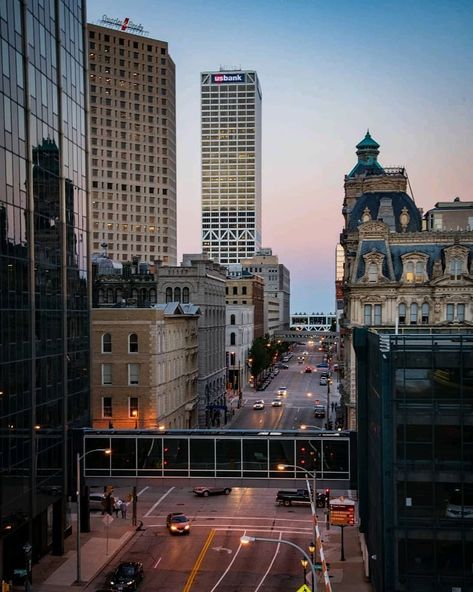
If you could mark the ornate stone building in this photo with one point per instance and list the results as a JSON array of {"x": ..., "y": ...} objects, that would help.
[
  {"x": 144, "y": 369},
  {"x": 199, "y": 281},
  {"x": 397, "y": 276}
]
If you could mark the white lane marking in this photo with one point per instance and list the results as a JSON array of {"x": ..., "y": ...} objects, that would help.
[
  {"x": 228, "y": 568},
  {"x": 270, "y": 565},
  {"x": 223, "y": 528},
  {"x": 143, "y": 490},
  {"x": 229, "y": 551},
  {"x": 157, "y": 562},
  {"x": 271, "y": 519},
  {"x": 148, "y": 513}
]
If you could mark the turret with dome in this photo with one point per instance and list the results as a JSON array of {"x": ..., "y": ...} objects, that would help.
[{"x": 376, "y": 193}]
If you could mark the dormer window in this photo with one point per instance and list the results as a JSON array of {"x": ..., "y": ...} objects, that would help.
[
  {"x": 415, "y": 268},
  {"x": 456, "y": 269},
  {"x": 372, "y": 273},
  {"x": 409, "y": 272}
]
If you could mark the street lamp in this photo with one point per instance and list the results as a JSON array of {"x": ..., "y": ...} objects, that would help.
[
  {"x": 312, "y": 548},
  {"x": 78, "y": 459},
  {"x": 245, "y": 540},
  {"x": 304, "y": 564},
  {"x": 134, "y": 414}
]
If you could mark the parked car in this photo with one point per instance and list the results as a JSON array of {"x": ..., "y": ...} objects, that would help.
[
  {"x": 204, "y": 491},
  {"x": 276, "y": 403},
  {"x": 97, "y": 502},
  {"x": 319, "y": 411},
  {"x": 323, "y": 381},
  {"x": 127, "y": 576},
  {"x": 177, "y": 523},
  {"x": 259, "y": 404},
  {"x": 322, "y": 365}
]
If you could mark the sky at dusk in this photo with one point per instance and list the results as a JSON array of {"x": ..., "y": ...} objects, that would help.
[{"x": 328, "y": 71}]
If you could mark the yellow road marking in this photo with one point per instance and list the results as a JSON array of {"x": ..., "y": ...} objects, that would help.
[{"x": 198, "y": 562}]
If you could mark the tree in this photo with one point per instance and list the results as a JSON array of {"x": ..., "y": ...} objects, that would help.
[{"x": 260, "y": 356}]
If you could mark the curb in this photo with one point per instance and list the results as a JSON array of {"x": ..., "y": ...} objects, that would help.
[{"x": 129, "y": 536}]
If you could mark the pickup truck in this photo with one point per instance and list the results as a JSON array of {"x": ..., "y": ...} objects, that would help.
[{"x": 288, "y": 497}]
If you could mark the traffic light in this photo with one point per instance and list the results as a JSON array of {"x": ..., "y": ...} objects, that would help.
[{"x": 109, "y": 504}]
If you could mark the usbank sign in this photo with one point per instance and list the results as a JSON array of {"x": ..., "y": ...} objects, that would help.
[{"x": 222, "y": 78}]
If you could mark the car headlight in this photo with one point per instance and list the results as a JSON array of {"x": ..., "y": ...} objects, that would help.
[
  {"x": 129, "y": 583},
  {"x": 173, "y": 527},
  {"x": 187, "y": 527},
  {"x": 112, "y": 582}
]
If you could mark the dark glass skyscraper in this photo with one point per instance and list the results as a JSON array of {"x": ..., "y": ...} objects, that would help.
[{"x": 44, "y": 336}]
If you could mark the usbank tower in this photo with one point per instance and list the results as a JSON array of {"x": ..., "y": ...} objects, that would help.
[{"x": 231, "y": 164}]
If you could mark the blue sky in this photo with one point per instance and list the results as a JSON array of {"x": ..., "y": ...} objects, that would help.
[{"x": 328, "y": 71}]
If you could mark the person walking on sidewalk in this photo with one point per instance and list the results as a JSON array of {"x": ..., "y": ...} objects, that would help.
[
  {"x": 117, "y": 506},
  {"x": 123, "y": 509}
]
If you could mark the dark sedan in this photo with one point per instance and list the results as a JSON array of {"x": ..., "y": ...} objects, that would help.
[{"x": 126, "y": 577}]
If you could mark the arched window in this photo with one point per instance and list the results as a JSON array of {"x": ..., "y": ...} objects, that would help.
[
  {"x": 101, "y": 296},
  {"x": 133, "y": 343},
  {"x": 106, "y": 343},
  {"x": 177, "y": 294},
  {"x": 168, "y": 295},
  {"x": 425, "y": 313},
  {"x": 134, "y": 293},
  {"x": 372, "y": 273},
  {"x": 185, "y": 295},
  {"x": 414, "y": 313},
  {"x": 110, "y": 296},
  {"x": 152, "y": 296},
  {"x": 402, "y": 314},
  {"x": 232, "y": 338},
  {"x": 367, "y": 312},
  {"x": 232, "y": 319}
]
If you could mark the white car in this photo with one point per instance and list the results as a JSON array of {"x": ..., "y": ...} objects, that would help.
[
  {"x": 258, "y": 404},
  {"x": 276, "y": 403},
  {"x": 282, "y": 390}
]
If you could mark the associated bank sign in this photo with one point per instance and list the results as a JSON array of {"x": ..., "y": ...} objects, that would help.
[{"x": 229, "y": 78}]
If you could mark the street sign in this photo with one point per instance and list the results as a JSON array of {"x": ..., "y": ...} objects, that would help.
[
  {"x": 303, "y": 588},
  {"x": 342, "y": 512},
  {"x": 107, "y": 519}
]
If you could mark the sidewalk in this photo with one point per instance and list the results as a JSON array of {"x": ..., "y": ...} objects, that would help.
[
  {"x": 58, "y": 573},
  {"x": 348, "y": 575}
]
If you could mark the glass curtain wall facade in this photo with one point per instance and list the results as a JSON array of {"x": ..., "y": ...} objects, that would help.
[
  {"x": 231, "y": 165},
  {"x": 44, "y": 341},
  {"x": 416, "y": 459}
]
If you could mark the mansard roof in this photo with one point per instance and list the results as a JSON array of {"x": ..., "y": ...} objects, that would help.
[{"x": 386, "y": 206}]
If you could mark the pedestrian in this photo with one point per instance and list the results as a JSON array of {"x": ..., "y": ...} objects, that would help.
[
  {"x": 123, "y": 509},
  {"x": 333, "y": 406},
  {"x": 117, "y": 505}
]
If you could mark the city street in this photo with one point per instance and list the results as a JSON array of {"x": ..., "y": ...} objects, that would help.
[
  {"x": 303, "y": 389},
  {"x": 212, "y": 558}
]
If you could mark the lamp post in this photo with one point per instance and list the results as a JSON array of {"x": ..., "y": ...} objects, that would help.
[
  {"x": 304, "y": 564},
  {"x": 245, "y": 540},
  {"x": 312, "y": 557},
  {"x": 78, "y": 459}
]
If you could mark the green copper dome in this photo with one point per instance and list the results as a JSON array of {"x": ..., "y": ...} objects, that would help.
[
  {"x": 367, "y": 152},
  {"x": 367, "y": 142}
]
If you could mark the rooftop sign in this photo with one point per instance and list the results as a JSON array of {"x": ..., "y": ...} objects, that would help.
[
  {"x": 228, "y": 78},
  {"x": 123, "y": 25}
]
